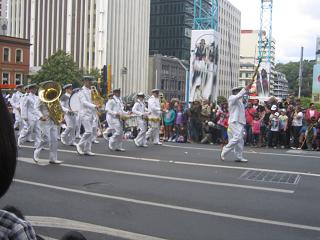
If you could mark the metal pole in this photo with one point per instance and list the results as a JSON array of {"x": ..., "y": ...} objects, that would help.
[{"x": 300, "y": 72}]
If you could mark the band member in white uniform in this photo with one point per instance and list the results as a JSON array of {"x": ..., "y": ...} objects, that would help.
[
  {"x": 154, "y": 117},
  {"x": 68, "y": 136},
  {"x": 115, "y": 110},
  {"x": 30, "y": 135},
  {"x": 95, "y": 126},
  {"x": 109, "y": 131},
  {"x": 30, "y": 116},
  {"x": 139, "y": 109},
  {"x": 15, "y": 103},
  {"x": 237, "y": 122},
  {"x": 86, "y": 117},
  {"x": 49, "y": 134}
]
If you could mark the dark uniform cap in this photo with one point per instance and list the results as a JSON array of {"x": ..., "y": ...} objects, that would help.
[
  {"x": 140, "y": 94},
  {"x": 116, "y": 90},
  {"x": 90, "y": 78},
  {"x": 33, "y": 85}
]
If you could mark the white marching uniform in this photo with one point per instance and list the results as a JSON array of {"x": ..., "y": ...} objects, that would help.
[
  {"x": 69, "y": 134},
  {"x": 115, "y": 107},
  {"x": 86, "y": 117},
  {"x": 139, "y": 109},
  {"x": 237, "y": 122},
  {"x": 15, "y": 103},
  {"x": 155, "y": 112},
  {"x": 30, "y": 116},
  {"x": 49, "y": 134}
]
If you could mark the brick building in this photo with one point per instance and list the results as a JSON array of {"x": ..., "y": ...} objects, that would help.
[{"x": 14, "y": 62}]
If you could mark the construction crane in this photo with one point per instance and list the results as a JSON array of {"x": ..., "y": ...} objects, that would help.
[
  {"x": 265, "y": 47},
  {"x": 205, "y": 14}
]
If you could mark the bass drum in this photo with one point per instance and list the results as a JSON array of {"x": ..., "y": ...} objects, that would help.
[{"x": 74, "y": 101}]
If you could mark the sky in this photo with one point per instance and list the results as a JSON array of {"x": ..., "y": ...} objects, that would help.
[{"x": 296, "y": 24}]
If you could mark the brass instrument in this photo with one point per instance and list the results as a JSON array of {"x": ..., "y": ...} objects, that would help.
[
  {"x": 96, "y": 98},
  {"x": 49, "y": 93}
]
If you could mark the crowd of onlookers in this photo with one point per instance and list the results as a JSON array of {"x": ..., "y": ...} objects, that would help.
[{"x": 277, "y": 124}]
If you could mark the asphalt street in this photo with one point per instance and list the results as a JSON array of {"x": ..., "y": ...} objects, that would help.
[{"x": 170, "y": 192}]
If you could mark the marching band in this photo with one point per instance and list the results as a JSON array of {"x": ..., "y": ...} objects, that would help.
[{"x": 40, "y": 117}]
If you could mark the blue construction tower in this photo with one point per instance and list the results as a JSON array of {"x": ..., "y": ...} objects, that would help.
[
  {"x": 266, "y": 48},
  {"x": 205, "y": 14}
]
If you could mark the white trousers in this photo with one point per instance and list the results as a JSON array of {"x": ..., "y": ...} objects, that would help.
[
  {"x": 141, "y": 139},
  {"x": 30, "y": 128},
  {"x": 153, "y": 132},
  {"x": 236, "y": 141},
  {"x": 86, "y": 139},
  {"x": 18, "y": 120},
  {"x": 69, "y": 134},
  {"x": 78, "y": 126},
  {"x": 116, "y": 139},
  {"x": 49, "y": 135}
]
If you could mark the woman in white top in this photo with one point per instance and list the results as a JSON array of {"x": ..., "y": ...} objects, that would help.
[{"x": 296, "y": 126}]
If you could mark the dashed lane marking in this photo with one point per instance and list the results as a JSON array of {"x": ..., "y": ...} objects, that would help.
[
  {"x": 194, "y": 163},
  {"x": 174, "y": 207},
  {"x": 29, "y": 160}
]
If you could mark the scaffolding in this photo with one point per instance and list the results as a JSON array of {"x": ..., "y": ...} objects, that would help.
[{"x": 205, "y": 14}]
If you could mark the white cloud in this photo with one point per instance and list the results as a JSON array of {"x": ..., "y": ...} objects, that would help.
[{"x": 296, "y": 23}]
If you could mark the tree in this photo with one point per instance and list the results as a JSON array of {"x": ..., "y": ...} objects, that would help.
[
  {"x": 61, "y": 68},
  {"x": 291, "y": 70},
  {"x": 221, "y": 100}
]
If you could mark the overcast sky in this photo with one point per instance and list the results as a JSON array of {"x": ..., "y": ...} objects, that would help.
[{"x": 296, "y": 23}]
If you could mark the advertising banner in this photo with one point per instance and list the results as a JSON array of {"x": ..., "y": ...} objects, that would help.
[
  {"x": 263, "y": 80},
  {"x": 316, "y": 83},
  {"x": 204, "y": 65}
]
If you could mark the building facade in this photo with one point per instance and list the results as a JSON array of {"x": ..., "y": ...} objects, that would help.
[
  {"x": 3, "y": 17},
  {"x": 169, "y": 75},
  {"x": 249, "y": 58},
  {"x": 170, "y": 34},
  {"x": 280, "y": 86},
  {"x": 94, "y": 32},
  {"x": 14, "y": 66}
]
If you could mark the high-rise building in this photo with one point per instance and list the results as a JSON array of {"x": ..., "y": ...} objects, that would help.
[
  {"x": 249, "y": 58},
  {"x": 94, "y": 32},
  {"x": 170, "y": 34},
  {"x": 3, "y": 17},
  {"x": 280, "y": 86}
]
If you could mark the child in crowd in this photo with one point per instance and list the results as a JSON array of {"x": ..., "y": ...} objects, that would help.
[
  {"x": 274, "y": 130},
  {"x": 256, "y": 127},
  {"x": 283, "y": 126}
]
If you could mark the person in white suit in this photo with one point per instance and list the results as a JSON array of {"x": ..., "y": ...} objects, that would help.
[
  {"x": 30, "y": 116},
  {"x": 237, "y": 122},
  {"x": 68, "y": 136},
  {"x": 86, "y": 117},
  {"x": 154, "y": 108},
  {"x": 139, "y": 109},
  {"x": 49, "y": 134},
  {"x": 115, "y": 109},
  {"x": 15, "y": 103}
]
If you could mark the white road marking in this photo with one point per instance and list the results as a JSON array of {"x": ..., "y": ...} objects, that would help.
[
  {"x": 29, "y": 160},
  {"x": 174, "y": 207},
  {"x": 250, "y": 152},
  {"x": 62, "y": 223},
  {"x": 197, "y": 164}
]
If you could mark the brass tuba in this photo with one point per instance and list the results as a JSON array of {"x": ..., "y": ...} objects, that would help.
[{"x": 49, "y": 93}]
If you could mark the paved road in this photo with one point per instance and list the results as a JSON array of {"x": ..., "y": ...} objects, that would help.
[{"x": 172, "y": 192}]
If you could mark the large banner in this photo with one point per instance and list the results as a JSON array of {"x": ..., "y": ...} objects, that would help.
[
  {"x": 263, "y": 80},
  {"x": 204, "y": 65},
  {"x": 316, "y": 83}
]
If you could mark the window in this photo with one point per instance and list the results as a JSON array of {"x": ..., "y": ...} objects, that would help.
[
  {"x": 5, "y": 78},
  {"x": 18, "y": 78},
  {"x": 6, "y": 54},
  {"x": 19, "y": 58}
]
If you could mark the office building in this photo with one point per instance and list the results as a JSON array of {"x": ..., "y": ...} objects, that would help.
[
  {"x": 280, "y": 86},
  {"x": 94, "y": 32},
  {"x": 14, "y": 67},
  {"x": 168, "y": 75}
]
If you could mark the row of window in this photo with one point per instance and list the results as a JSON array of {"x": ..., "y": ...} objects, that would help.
[
  {"x": 167, "y": 84},
  {"x": 7, "y": 55},
  {"x": 6, "y": 76}
]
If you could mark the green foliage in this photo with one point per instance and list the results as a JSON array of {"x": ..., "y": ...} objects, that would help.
[
  {"x": 221, "y": 99},
  {"x": 291, "y": 70},
  {"x": 305, "y": 103},
  {"x": 61, "y": 68}
]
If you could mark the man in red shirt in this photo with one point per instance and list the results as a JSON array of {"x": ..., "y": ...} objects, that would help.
[{"x": 250, "y": 111}]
